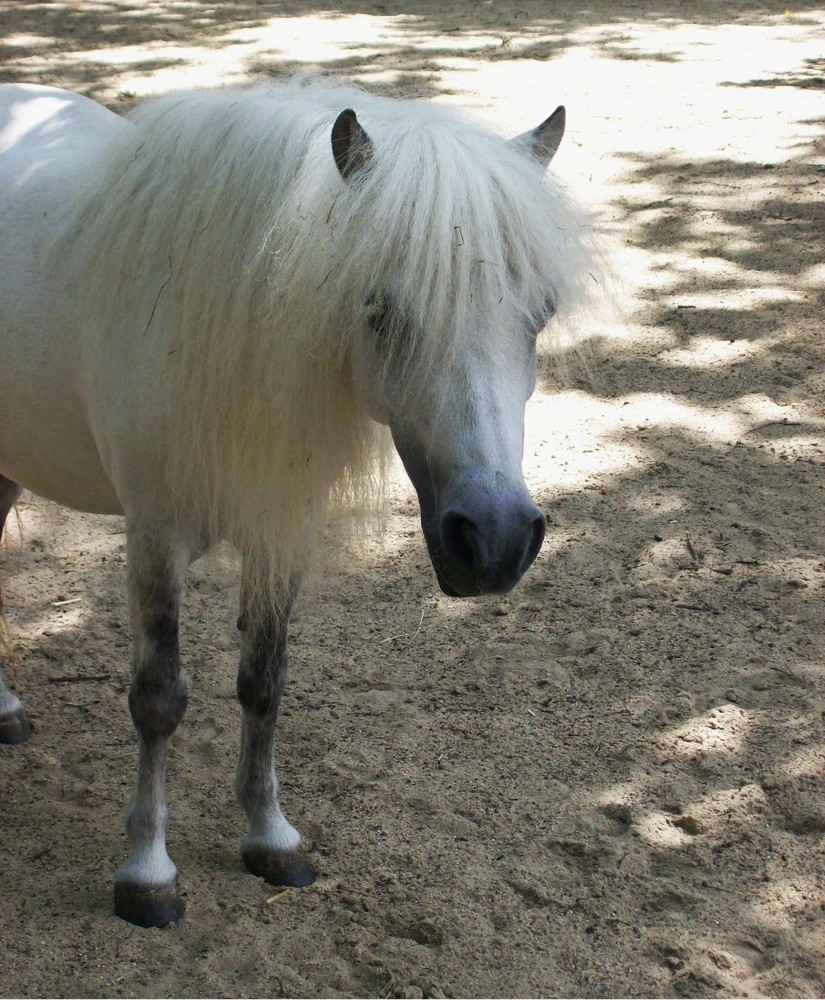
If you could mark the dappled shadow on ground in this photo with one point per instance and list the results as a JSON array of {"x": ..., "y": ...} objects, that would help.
[
  {"x": 735, "y": 250},
  {"x": 628, "y": 747},
  {"x": 619, "y": 766},
  {"x": 711, "y": 610},
  {"x": 809, "y": 76},
  {"x": 86, "y": 45}
]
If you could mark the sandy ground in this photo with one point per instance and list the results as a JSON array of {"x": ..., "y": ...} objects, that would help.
[{"x": 607, "y": 784}]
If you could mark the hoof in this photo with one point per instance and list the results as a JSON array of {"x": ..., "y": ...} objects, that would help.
[
  {"x": 290, "y": 868},
  {"x": 14, "y": 728},
  {"x": 148, "y": 907}
]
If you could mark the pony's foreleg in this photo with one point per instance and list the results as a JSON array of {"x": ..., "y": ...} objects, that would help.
[
  {"x": 145, "y": 889},
  {"x": 272, "y": 848},
  {"x": 14, "y": 727}
]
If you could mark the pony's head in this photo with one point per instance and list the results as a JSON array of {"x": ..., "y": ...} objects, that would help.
[
  {"x": 446, "y": 346},
  {"x": 301, "y": 268}
]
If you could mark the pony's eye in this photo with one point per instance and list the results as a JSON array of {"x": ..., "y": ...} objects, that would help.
[{"x": 377, "y": 310}]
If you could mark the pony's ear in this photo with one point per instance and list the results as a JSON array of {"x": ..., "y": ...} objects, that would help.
[
  {"x": 351, "y": 146},
  {"x": 543, "y": 141}
]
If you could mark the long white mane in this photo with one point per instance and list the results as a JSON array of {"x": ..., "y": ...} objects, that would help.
[{"x": 221, "y": 231}]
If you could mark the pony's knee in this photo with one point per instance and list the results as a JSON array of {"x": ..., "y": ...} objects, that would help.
[
  {"x": 259, "y": 691},
  {"x": 263, "y": 667},
  {"x": 157, "y": 703}
]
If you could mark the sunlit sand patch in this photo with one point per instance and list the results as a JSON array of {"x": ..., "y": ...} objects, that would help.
[
  {"x": 39, "y": 527},
  {"x": 59, "y": 616},
  {"x": 722, "y": 730},
  {"x": 316, "y": 41},
  {"x": 755, "y": 409},
  {"x": 576, "y": 439},
  {"x": 814, "y": 277},
  {"x": 720, "y": 808},
  {"x": 782, "y": 899},
  {"x": 747, "y": 298},
  {"x": 672, "y": 829},
  {"x": 565, "y": 439},
  {"x": 22, "y": 41},
  {"x": 709, "y": 352},
  {"x": 658, "y": 830}
]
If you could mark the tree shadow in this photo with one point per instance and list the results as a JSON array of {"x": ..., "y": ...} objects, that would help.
[{"x": 810, "y": 76}]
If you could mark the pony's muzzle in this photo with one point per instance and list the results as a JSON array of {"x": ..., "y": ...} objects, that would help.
[{"x": 486, "y": 554}]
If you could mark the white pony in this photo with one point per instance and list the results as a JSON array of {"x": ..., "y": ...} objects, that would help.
[{"x": 207, "y": 312}]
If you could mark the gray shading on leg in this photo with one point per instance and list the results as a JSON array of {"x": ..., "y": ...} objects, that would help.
[
  {"x": 272, "y": 848},
  {"x": 145, "y": 885},
  {"x": 14, "y": 727}
]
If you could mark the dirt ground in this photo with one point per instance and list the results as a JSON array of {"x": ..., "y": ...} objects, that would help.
[{"x": 609, "y": 783}]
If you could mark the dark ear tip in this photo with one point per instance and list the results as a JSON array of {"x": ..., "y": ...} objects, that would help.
[
  {"x": 346, "y": 118},
  {"x": 351, "y": 145}
]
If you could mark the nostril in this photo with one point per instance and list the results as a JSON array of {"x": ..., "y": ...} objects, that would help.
[
  {"x": 538, "y": 527},
  {"x": 460, "y": 538},
  {"x": 490, "y": 555}
]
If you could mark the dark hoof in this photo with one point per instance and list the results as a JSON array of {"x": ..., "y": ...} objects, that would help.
[
  {"x": 14, "y": 728},
  {"x": 291, "y": 868},
  {"x": 148, "y": 907}
]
